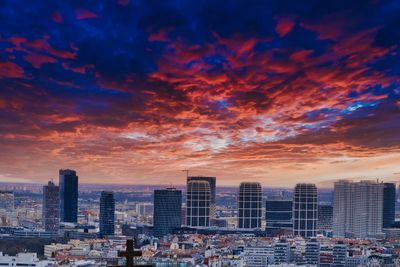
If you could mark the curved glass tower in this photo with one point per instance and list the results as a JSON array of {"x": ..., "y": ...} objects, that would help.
[
  {"x": 250, "y": 205},
  {"x": 305, "y": 210},
  {"x": 198, "y": 204}
]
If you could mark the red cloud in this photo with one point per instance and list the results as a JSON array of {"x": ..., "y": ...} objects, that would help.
[
  {"x": 284, "y": 26},
  {"x": 39, "y": 51},
  {"x": 79, "y": 69},
  {"x": 301, "y": 55},
  {"x": 43, "y": 45},
  {"x": 10, "y": 70},
  {"x": 38, "y": 60},
  {"x": 161, "y": 35},
  {"x": 85, "y": 14},
  {"x": 219, "y": 107}
]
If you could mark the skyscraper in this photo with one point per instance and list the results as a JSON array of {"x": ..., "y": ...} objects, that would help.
[
  {"x": 305, "y": 210},
  {"x": 368, "y": 205},
  {"x": 342, "y": 208},
  {"x": 358, "y": 209},
  {"x": 198, "y": 204},
  {"x": 68, "y": 196},
  {"x": 389, "y": 204},
  {"x": 250, "y": 205},
  {"x": 278, "y": 216},
  {"x": 312, "y": 252},
  {"x": 167, "y": 211},
  {"x": 51, "y": 207},
  {"x": 107, "y": 213},
  {"x": 325, "y": 217},
  {"x": 212, "y": 181}
]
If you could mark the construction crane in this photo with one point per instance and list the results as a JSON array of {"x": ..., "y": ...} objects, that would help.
[{"x": 187, "y": 173}]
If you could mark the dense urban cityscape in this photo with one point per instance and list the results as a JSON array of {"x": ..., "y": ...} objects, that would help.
[
  {"x": 201, "y": 224},
  {"x": 200, "y": 133}
]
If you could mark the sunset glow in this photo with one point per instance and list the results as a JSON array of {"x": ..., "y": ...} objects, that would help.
[{"x": 137, "y": 91}]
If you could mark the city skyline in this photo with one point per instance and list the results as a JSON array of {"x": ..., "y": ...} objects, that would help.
[
  {"x": 200, "y": 133},
  {"x": 342, "y": 228},
  {"x": 134, "y": 92}
]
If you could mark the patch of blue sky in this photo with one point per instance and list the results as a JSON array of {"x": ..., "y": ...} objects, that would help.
[{"x": 358, "y": 105}]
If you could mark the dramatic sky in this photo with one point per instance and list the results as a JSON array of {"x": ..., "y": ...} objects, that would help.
[{"x": 135, "y": 91}]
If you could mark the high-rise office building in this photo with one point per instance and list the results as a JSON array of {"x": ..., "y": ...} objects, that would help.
[
  {"x": 278, "y": 216},
  {"x": 68, "y": 196},
  {"x": 51, "y": 207},
  {"x": 343, "y": 208},
  {"x": 325, "y": 217},
  {"x": 358, "y": 208},
  {"x": 305, "y": 210},
  {"x": 167, "y": 211},
  {"x": 368, "y": 205},
  {"x": 213, "y": 183},
  {"x": 107, "y": 213},
  {"x": 339, "y": 254},
  {"x": 198, "y": 203},
  {"x": 312, "y": 252},
  {"x": 7, "y": 200},
  {"x": 389, "y": 204},
  {"x": 250, "y": 205}
]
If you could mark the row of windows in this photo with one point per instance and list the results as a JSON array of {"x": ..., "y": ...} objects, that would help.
[
  {"x": 278, "y": 216},
  {"x": 198, "y": 197},
  {"x": 278, "y": 205},
  {"x": 305, "y": 206},
  {"x": 309, "y": 224},
  {"x": 305, "y": 214},
  {"x": 305, "y": 199},
  {"x": 249, "y": 223},
  {"x": 197, "y": 212},
  {"x": 197, "y": 203}
]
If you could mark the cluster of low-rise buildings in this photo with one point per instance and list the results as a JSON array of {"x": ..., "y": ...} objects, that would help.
[{"x": 225, "y": 250}]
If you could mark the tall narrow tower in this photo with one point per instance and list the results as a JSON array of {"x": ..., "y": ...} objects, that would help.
[
  {"x": 305, "y": 210},
  {"x": 343, "y": 207},
  {"x": 212, "y": 181},
  {"x": 107, "y": 213},
  {"x": 198, "y": 204},
  {"x": 167, "y": 211},
  {"x": 51, "y": 207},
  {"x": 250, "y": 205},
  {"x": 68, "y": 196},
  {"x": 389, "y": 204}
]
